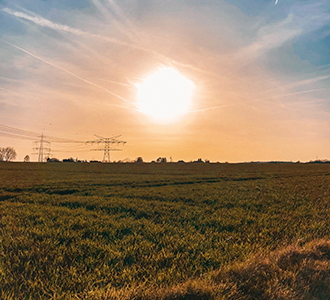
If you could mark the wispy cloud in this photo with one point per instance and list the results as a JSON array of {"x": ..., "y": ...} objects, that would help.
[
  {"x": 44, "y": 22},
  {"x": 296, "y": 93},
  {"x": 289, "y": 84},
  {"x": 249, "y": 102},
  {"x": 112, "y": 12},
  {"x": 116, "y": 82},
  {"x": 10, "y": 91},
  {"x": 308, "y": 81},
  {"x": 70, "y": 73},
  {"x": 271, "y": 36},
  {"x": 40, "y": 21},
  {"x": 300, "y": 20}
]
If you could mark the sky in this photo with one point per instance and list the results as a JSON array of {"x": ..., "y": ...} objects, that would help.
[{"x": 260, "y": 68}]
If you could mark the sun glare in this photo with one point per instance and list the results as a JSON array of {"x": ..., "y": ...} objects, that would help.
[{"x": 165, "y": 95}]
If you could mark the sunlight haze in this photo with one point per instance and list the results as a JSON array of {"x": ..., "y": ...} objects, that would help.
[
  {"x": 249, "y": 80},
  {"x": 165, "y": 95}
]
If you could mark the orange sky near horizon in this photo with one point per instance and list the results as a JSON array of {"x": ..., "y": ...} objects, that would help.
[{"x": 70, "y": 71}]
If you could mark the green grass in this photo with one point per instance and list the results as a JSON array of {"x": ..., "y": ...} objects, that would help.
[{"x": 124, "y": 231}]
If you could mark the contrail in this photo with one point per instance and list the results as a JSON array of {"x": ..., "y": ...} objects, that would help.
[
  {"x": 254, "y": 101},
  {"x": 119, "y": 11},
  {"x": 308, "y": 81},
  {"x": 59, "y": 27},
  {"x": 44, "y": 22},
  {"x": 131, "y": 33},
  {"x": 64, "y": 28},
  {"x": 211, "y": 108},
  {"x": 70, "y": 73},
  {"x": 6, "y": 90},
  {"x": 116, "y": 82},
  {"x": 276, "y": 2},
  {"x": 295, "y": 93}
]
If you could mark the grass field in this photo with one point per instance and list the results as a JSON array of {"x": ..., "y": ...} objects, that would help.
[{"x": 164, "y": 231}]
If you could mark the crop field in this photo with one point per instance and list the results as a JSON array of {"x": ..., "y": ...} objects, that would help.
[{"x": 164, "y": 231}]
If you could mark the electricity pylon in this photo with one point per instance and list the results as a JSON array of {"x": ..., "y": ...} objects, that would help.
[
  {"x": 43, "y": 148},
  {"x": 108, "y": 143}
]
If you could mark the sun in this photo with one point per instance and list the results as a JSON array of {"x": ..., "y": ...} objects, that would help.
[{"x": 165, "y": 95}]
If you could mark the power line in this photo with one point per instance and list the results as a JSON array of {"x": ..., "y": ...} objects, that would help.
[
  {"x": 74, "y": 148},
  {"x": 16, "y": 131},
  {"x": 13, "y": 132},
  {"x": 42, "y": 145},
  {"x": 15, "y": 136},
  {"x": 108, "y": 143}
]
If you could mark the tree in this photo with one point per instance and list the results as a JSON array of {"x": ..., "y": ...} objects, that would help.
[
  {"x": 139, "y": 160},
  {"x": 27, "y": 158},
  {"x": 8, "y": 154},
  {"x": 68, "y": 160},
  {"x": 161, "y": 160},
  {"x": 52, "y": 159}
]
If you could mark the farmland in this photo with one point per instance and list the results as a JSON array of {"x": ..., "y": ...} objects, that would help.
[{"x": 164, "y": 231}]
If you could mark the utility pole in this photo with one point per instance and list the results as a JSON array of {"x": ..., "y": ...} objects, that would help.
[
  {"x": 108, "y": 143},
  {"x": 43, "y": 148}
]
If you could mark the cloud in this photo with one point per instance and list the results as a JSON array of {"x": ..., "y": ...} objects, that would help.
[
  {"x": 13, "y": 92},
  {"x": 134, "y": 44},
  {"x": 257, "y": 100},
  {"x": 301, "y": 20},
  {"x": 271, "y": 36},
  {"x": 308, "y": 81},
  {"x": 72, "y": 74},
  {"x": 44, "y": 22},
  {"x": 38, "y": 20},
  {"x": 107, "y": 11}
]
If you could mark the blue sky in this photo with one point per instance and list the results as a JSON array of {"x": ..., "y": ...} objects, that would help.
[{"x": 261, "y": 71}]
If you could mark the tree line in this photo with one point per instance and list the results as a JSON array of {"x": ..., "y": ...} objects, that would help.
[{"x": 9, "y": 154}]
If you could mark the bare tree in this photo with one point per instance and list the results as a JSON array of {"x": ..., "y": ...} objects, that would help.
[{"x": 8, "y": 153}]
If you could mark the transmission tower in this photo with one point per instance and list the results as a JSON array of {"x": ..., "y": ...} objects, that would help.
[
  {"x": 108, "y": 144},
  {"x": 43, "y": 148}
]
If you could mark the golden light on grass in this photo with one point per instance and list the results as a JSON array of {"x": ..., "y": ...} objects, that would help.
[{"x": 165, "y": 95}]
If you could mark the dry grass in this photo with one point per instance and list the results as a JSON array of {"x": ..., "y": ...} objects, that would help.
[{"x": 297, "y": 272}]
